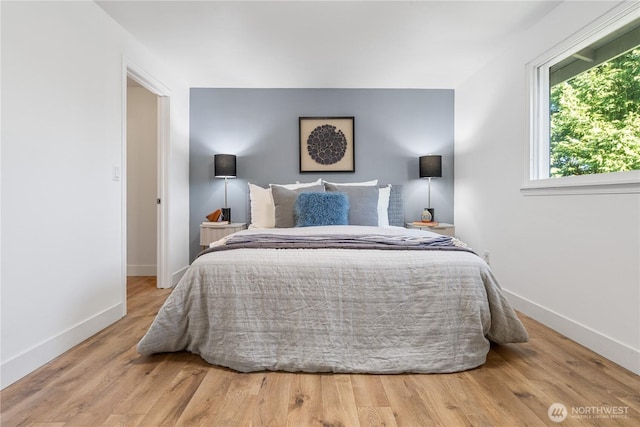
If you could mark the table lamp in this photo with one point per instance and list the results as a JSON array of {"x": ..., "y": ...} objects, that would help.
[
  {"x": 225, "y": 167},
  {"x": 430, "y": 167}
]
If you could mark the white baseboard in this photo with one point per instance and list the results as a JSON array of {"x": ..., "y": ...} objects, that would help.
[
  {"x": 175, "y": 277},
  {"x": 30, "y": 360},
  {"x": 141, "y": 270},
  {"x": 617, "y": 352}
]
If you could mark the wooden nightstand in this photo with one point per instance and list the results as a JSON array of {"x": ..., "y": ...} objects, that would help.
[
  {"x": 211, "y": 231},
  {"x": 441, "y": 228}
]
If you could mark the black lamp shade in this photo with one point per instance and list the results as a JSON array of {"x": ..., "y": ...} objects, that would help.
[
  {"x": 224, "y": 165},
  {"x": 430, "y": 166}
]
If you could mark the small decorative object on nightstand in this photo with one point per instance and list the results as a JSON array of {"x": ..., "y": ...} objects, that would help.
[
  {"x": 212, "y": 231},
  {"x": 437, "y": 227}
]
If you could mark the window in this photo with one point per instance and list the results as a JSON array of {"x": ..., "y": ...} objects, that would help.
[{"x": 585, "y": 110}]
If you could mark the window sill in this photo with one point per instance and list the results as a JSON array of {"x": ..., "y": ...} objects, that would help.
[{"x": 614, "y": 183}]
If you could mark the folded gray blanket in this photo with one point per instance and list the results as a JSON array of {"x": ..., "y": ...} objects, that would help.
[{"x": 340, "y": 241}]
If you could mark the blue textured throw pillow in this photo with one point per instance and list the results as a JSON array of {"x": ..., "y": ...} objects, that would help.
[{"x": 314, "y": 209}]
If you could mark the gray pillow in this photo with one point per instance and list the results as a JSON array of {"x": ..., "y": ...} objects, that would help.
[
  {"x": 284, "y": 201},
  {"x": 363, "y": 202}
]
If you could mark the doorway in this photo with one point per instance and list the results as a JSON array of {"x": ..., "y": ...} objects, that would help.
[
  {"x": 145, "y": 165},
  {"x": 142, "y": 182}
]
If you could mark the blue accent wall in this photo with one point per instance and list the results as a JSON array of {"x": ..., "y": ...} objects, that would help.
[{"x": 393, "y": 127}]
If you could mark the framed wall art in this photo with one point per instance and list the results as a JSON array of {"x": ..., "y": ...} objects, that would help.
[{"x": 327, "y": 144}]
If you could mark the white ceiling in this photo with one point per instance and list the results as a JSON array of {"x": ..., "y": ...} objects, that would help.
[{"x": 337, "y": 44}]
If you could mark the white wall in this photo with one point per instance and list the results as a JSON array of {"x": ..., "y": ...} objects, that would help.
[
  {"x": 62, "y": 264},
  {"x": 569, "y": 261},
  {"x": 142, "y": 161}
]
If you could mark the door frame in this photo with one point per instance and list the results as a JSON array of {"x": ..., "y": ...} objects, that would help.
[{"x": 146, "y": 80}]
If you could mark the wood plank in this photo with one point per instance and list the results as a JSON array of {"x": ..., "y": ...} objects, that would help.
[
  {"x": 83, "y": 419},
  {"x": 440, "y": 402},
  {"x": 338, "y": 403},
  {"x": 409, "y": 409},
  {"x": 204, "y": 404},
  {"x": 368, "y": 391},
  {"x": 237, "y": 405},
  {"x": 495, "y": 384},
  {"x": 347, "y": 398},
  {"x": 370, "y": 416},
  {"x": 169, "y": 407},
  {"x": 469, "y": 398},
  {"x": 158, "y": 372},
  {"x": 305, "y": 400},
  {"x": 124, "y": 421},
  {"x": 272, "y": 405}
]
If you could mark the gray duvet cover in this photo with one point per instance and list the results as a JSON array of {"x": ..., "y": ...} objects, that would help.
[{"x": 336, "y": 310}]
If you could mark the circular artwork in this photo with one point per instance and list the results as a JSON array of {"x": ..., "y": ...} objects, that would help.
[{"x": 326, "y": 144}]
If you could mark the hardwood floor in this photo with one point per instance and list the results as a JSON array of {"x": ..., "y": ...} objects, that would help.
[{"x": 103, "y": 381}]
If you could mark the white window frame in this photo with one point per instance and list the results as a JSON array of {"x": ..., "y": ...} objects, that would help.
[{"x": 536, "y": 179}]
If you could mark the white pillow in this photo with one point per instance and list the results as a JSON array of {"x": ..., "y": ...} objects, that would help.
[
  {"x": 299, "y": 184},
  {"x": 372, "y": 182},
  {"x": 263, "y": 211},
  {"x": 383, "y": 206}
]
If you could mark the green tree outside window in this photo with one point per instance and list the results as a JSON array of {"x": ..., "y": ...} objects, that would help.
[{"x": 595, "y": 119}]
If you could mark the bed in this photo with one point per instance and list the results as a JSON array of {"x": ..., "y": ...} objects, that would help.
[{"x": 336, "y": 298}]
